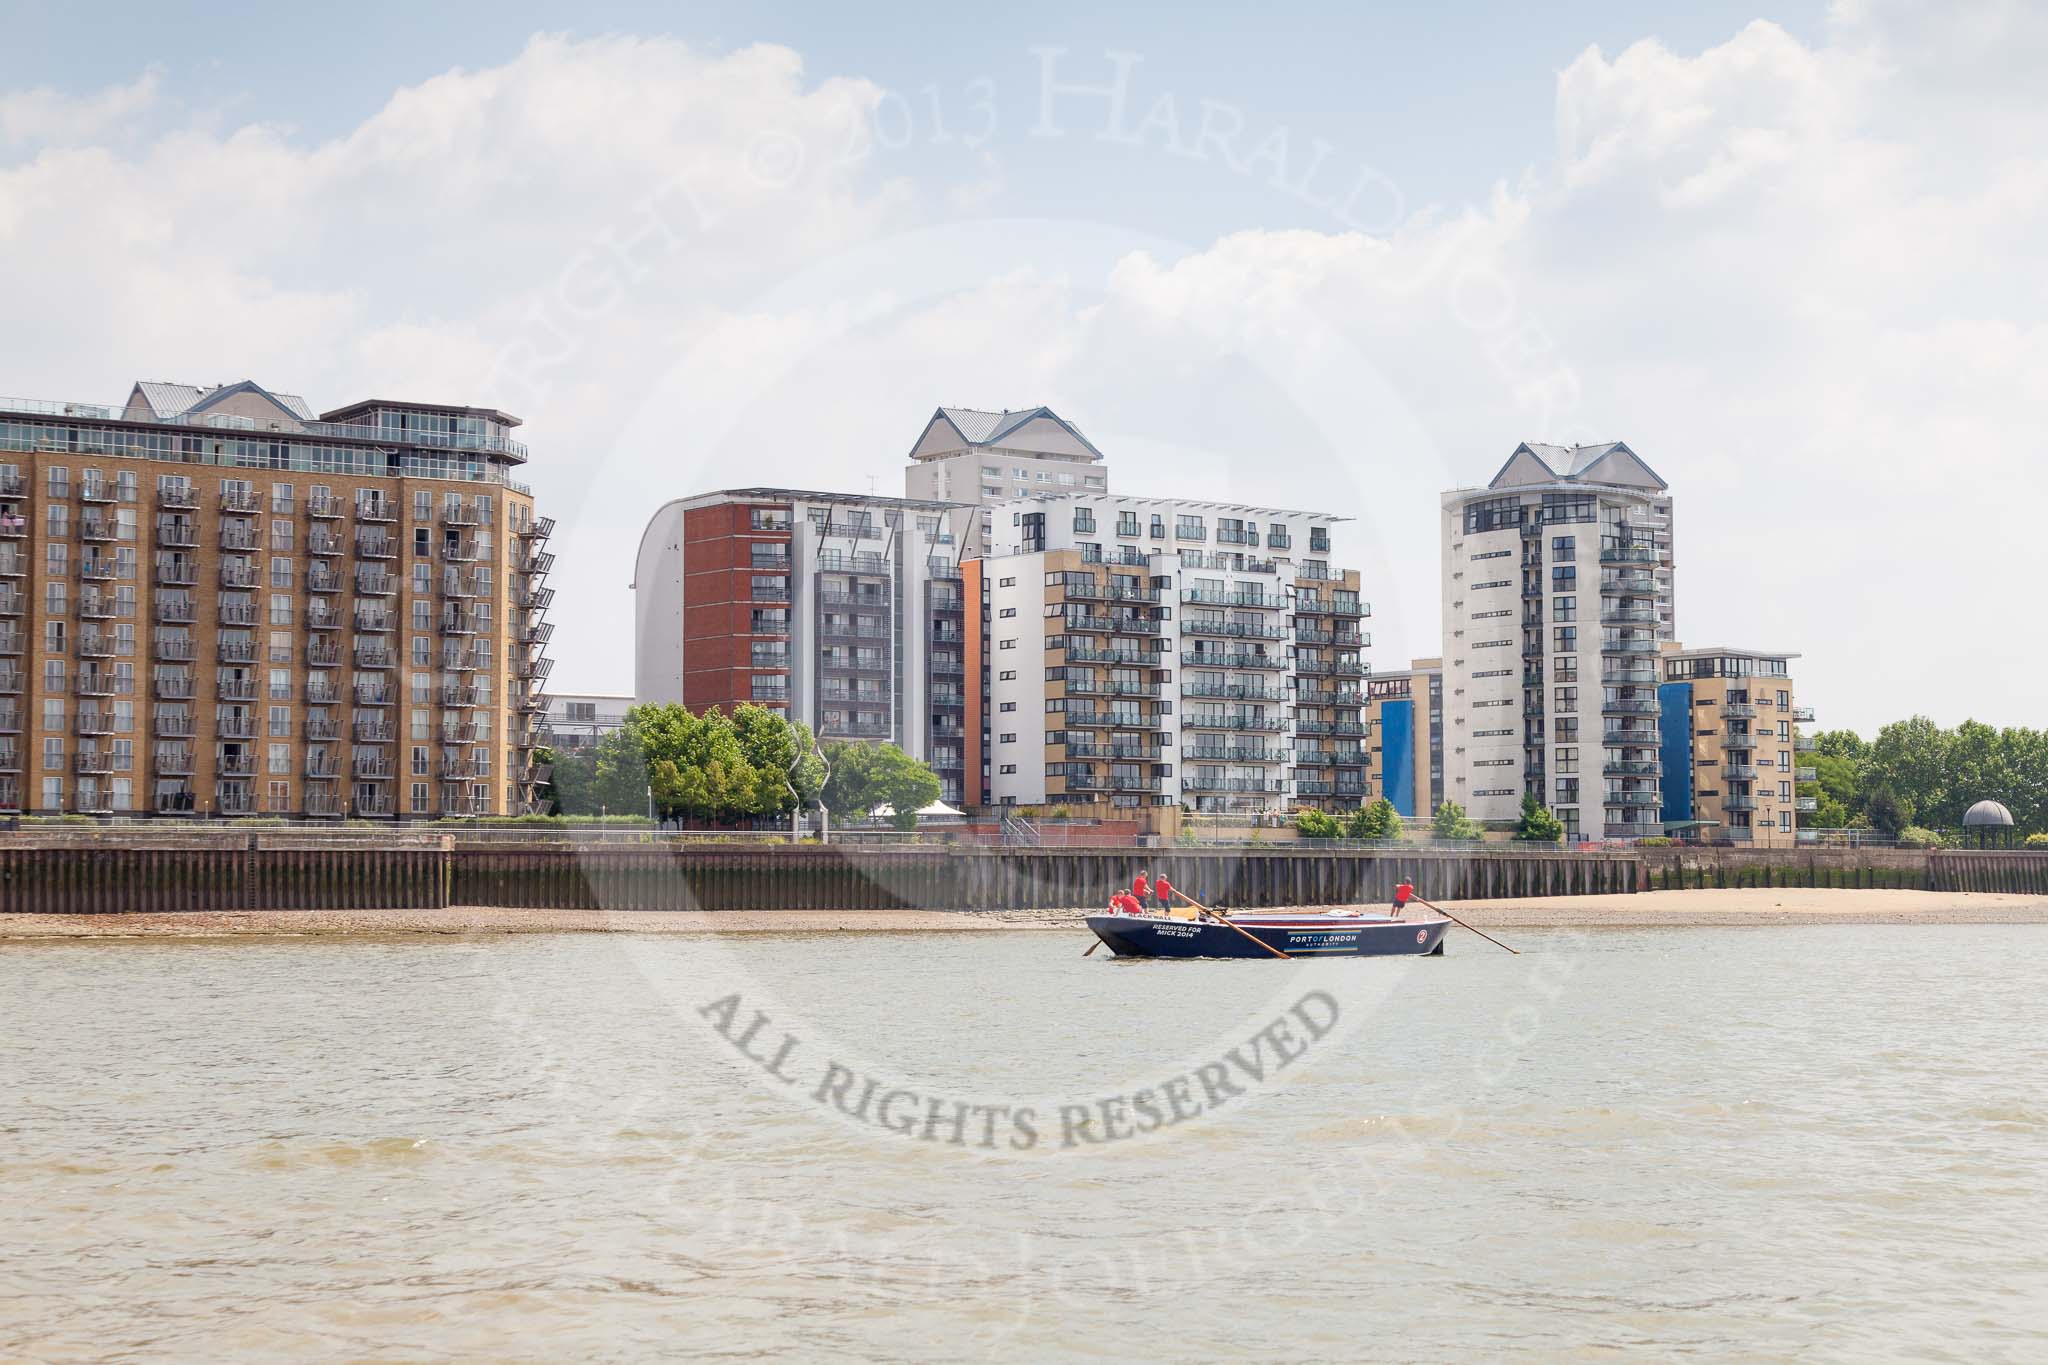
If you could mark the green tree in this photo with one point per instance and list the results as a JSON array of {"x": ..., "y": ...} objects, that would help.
[
  {"x": 1888, "y": 812},
  {"x": 1538, "y": 825},
  {"x": 905, "y": 785},
  {"x": 1451, "y": 822},
  {"x": 850, "y": 790},
  {"x": 1378, "y": 820},
  {"x": 572, "y": 776},
  {"x": 1912, "y": 759},
  {"x": 787, "y": 773},
  {"x": 618, "y": 775}
]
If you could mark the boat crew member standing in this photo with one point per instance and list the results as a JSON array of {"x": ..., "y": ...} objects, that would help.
[
  {"x": 1403, "y": 893},
  {"x": 1140, "y": 890},
  {"x": 1162, "y": 891}
]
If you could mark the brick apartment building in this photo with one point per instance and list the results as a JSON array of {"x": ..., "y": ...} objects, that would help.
[{"x": 215, "y": 603}]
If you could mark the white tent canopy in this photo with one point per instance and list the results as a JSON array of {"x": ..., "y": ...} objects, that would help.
[{"x": 885, "y": 810}]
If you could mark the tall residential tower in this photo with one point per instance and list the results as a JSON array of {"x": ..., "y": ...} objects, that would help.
[{"x": 1557, "y": 599}]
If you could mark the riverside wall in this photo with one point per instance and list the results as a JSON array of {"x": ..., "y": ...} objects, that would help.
[{"x": 102, "y": 873}]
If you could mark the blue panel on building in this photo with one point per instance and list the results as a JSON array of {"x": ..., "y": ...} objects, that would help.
[
  {"x": 1397, "y": 754},
  {"x": 1675, "y": 703}
]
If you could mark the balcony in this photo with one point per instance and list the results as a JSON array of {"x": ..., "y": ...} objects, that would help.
[
  {"x": 1627, "y": 552},
  {"x": 172, "y": 760},
  {"x": 455, "y": 584},
  {"x": 1628, "y": 644},
  {"x": 366, "y": 807},
  {"x": 376, "y": 584},
  {"x": 1802, "y": 715},
  {"x": 1738, "y": 772},
  {"x": 241, "y": 502},
  {"x": 369, "y": 694},
  {"x": 1632, "y": 767},
  {"x": 172, "y": 725},
  {"x": 234, "y": 798},
  {"x": 238, "y": 576},
  {"x": 376, "y": 510},
  {"x": 1806, "y": 805},
  {"x": 534, "y": 564},
  {"x": 235, "y": 765},
  {"x": 91, "y": 761},
  {"x": 323, "y": 543},
  {"x": 1225, "y": 597},
  {"x": 96, "y": 490},
  {"x": 11, "y": 605},
  {"x": 1738, "y": 802},
  {"x": 322, "y": 804},
  {"x": 325, "y": 506},
  {"x": 1738, "y": 709},
  {"x": 458, "y": 514},
  {"x": 235, "y": 727},
  {"x": 180, "y": 496},
  {"x": 323, "y": 654},
  {"x": 461, "y": 770},
  {"x": 1634, "y": 829},
  {"x": 1805, "y": 744},
  {"x": 1329, "y": 727},
  {"x": 1633, "y": 798},
  {"x": 376, "y": 546},
  {"x": 1631, "y": 738},
  {"x": 235, "y": 689},
  {"x": 93, "y": 683},
  {"x": 238, "y": 537},
  {"x": 172, "y": 648},
  {"x": 1644, "y": 675},
  {"x": 10, "y": 642},
  {"x": 374, "y": 656},
  {"x": 321, "y": 691},
  {"x": 463, "y": 661},
  {"x": 10, "y": 719},
  {"x": 320, "y": 728},
  {"x": 465, "y": 550},
  {"x": 179, "y": 573},
  {"x": 1806, "y": 774},
  {"x": 1218, "y": 659},
  {"x": 321, "y": 578},
  {"x": 1628, "y": 616},
  {"x": 93, "y": 720},
  {"x": 13, "y": 564},
  {"x": 1233, "y": 691},
  {"x": 1109, "y": 625},
  {"x": 10, "y": 681},
  {"x": 370, "y": 768},
  {"x": 460, "y": 695},
  {"x": 536, "y": 530},
  {"x": 10, "y": 758},
  {"x": 100, "y": 570},
  {"x": 1260, "y": 724},
  {"x": 1734, "y": 741},
  {"x": 372, "y": 731},
  {"x": 1629, "y": 706},
  {"x": 237, "y": 651},
  {"x": 1196, "y": 782},
  {"x": 322, "y": 620},
  {"x": 98, "y": 528},
  {"x": 1323, "y": 696}
]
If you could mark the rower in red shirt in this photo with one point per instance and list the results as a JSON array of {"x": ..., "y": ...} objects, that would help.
[
  {"x": 1162, "y": 891},
  {"x": 1139, "y": 889},
  {"x": 1403, "y": 893}
]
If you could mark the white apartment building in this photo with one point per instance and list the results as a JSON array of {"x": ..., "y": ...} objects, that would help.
[
  {"x": 1163, "y": 650},
  {"x": 576, "y": 721},
  {"x": 1557, "y": 595},
  {"x": 965, "y": 455}
]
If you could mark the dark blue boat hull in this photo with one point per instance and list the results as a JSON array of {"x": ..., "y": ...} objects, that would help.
[{"x": 1333, "y": 936}]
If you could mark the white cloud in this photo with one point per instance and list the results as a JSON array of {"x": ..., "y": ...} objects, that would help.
[
  {"x": 44, "y": 117},
  {"x": 1803, "y": 279}
]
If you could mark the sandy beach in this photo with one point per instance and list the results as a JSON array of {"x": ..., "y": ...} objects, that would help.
[{"x": 1657, "y": 908}]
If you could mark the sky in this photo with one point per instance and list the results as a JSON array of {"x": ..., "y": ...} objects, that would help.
[{"x": 1333, "y": 257}]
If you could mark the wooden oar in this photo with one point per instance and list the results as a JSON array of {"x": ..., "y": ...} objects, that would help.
[
  {"x": 1240, "y": 929},
  {"x": 1461, "y": 924}
]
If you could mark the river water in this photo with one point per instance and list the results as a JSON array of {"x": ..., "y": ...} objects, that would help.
[{"x": 1764, "y": 1143}]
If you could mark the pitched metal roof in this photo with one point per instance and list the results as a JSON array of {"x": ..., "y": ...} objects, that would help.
[
  {"x": 173, "y": 400},
  {"x": 979, "y": 428}
]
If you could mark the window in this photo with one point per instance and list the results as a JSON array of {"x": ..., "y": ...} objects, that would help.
[
  {"x": 1084, "y": 521},
  {"x": 1007, "y": 612},
  {"x": 1127, "y": 523},
  {"x": 1564, "y": 639},
  {"x": 1006, "y": 644},
  {"x": 1319, "y": 540},
  {"x": 1564, "y": 578},
  {"x": 1007, "y": 706},
  {"x": 1189, "y": 528},
  {"x": 1564, "y": 547},
  {"x": 1007, "y": 675},
  {"x": 1000, "y": 739},
  {"x": 1564, "y": 608},
  {"x": 1006, "y": 768}
]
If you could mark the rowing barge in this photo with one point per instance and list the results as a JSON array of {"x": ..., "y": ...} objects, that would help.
[{"x": 1297, "y": 935}]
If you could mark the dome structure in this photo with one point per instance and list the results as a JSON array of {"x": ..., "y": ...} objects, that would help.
[
  {"x": 1990, "y": 823},
  {"x": 1987, "y": 813}
]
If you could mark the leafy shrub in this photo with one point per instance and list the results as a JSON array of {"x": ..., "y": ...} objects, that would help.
[
  {"x": 1655, "y": 841},
  {"x": 2037, "y": 841},
  {"x": 1918, "y": 836},
  {"x": 1313, "y": 824}
]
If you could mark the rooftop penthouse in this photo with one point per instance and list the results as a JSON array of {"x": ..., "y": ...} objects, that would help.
[{"x": 245, "y": 425}]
